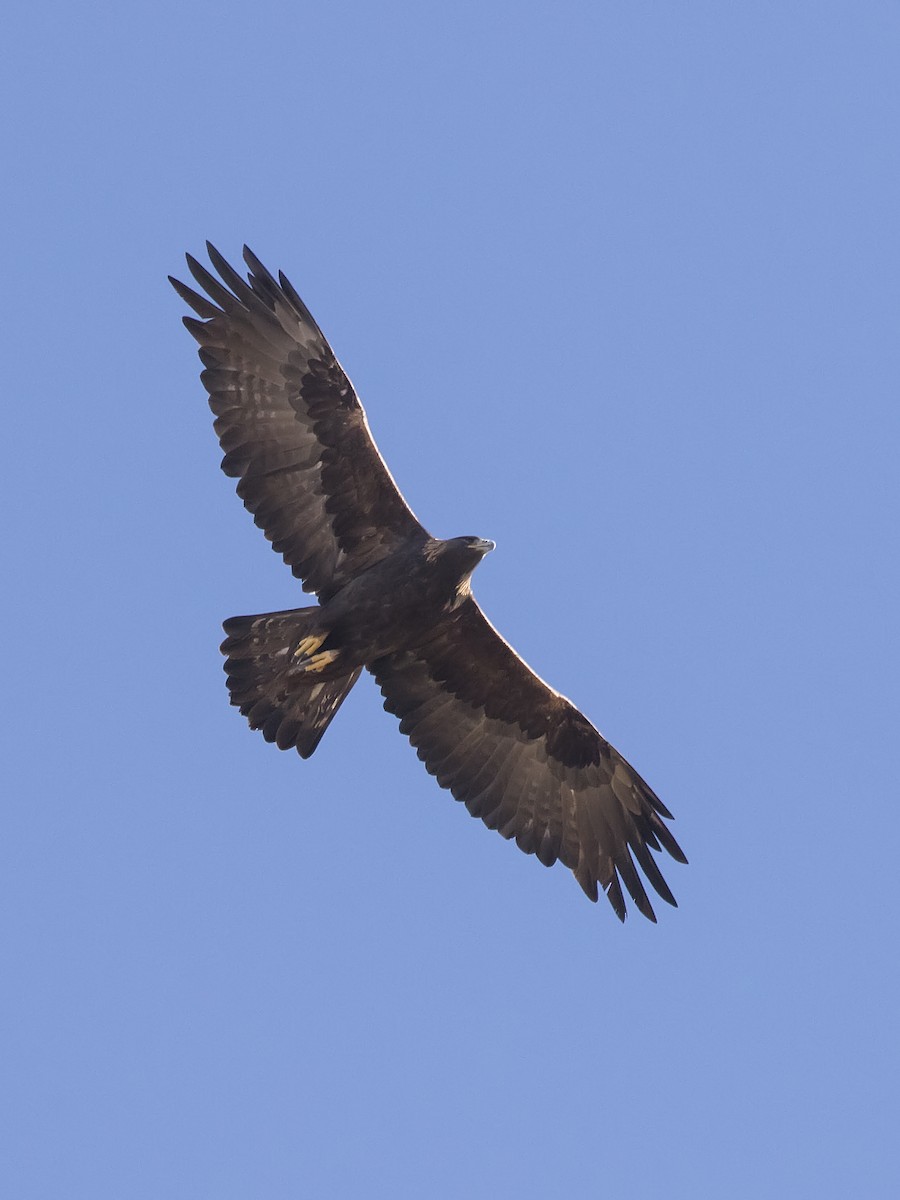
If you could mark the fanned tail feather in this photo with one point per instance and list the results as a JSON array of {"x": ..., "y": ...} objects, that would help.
[{"x": 267, "y": 681}]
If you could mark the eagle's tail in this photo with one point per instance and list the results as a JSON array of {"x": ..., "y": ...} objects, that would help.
[{"x": 277, "y": 676}]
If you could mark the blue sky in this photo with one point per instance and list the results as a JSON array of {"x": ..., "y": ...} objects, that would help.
[{"x": 618, "y": 285}]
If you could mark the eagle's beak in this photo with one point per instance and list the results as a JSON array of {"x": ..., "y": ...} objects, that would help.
[{"x": 485, "y": 545}]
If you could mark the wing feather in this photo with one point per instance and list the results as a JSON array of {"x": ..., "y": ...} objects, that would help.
[
  {"x": 291, "y": 427},
  {"x": 525, "y": 760}
]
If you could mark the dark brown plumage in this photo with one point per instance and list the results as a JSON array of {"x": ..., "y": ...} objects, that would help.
[{"x": 396, "y": 601}]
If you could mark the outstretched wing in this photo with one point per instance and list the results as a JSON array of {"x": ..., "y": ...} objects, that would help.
[
  {"x": 524, "y": 759},
  {"x": 292, "y": 428}
]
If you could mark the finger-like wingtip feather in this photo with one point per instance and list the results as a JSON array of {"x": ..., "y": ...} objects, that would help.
[
  {"x": 210, "y": 284},
  {"x": 201, "y": 306},
  {"x": 616, "y": 899},
  {"x": 224, "y": 267}
]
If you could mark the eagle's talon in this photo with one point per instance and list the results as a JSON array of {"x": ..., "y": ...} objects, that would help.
[
  {"x": 319, "y": 662},
  {"x": 307, "y": 646}
]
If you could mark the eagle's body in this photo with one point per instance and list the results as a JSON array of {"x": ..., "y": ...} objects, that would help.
[{"x": 397, "y": 602}]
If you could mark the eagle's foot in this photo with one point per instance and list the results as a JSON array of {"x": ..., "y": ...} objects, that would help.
[
  {"x": 308, "y": 656},
  {"x": 318, "y": 662},
  {"x": 307, "y": 646}
]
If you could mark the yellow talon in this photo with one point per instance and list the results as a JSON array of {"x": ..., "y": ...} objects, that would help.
[
  {"x": 319, "y": 662},
  {"x": 307, "y": 645}
]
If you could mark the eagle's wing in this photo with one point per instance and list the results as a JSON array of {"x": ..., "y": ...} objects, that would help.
[
  {"x": 292, "y": 427},
  {"x": 524, "y": 759}
]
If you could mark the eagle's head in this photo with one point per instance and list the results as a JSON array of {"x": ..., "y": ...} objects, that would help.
[
  {"x": 469, "y": 550},
  {"x": 477, "y": 545},
  {"x": 462, "y": 555}
]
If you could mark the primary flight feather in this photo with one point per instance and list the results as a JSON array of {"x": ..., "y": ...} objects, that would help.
[{"x": 397, "y": 602}]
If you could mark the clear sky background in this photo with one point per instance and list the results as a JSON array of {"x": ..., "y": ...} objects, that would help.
[{"x": 619, "y": 286}]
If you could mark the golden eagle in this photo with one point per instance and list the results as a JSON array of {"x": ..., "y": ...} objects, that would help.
[{"x": 397, "y": 601}]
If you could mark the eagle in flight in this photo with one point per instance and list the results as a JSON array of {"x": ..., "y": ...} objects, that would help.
[{"x": 395, "y": 601}]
